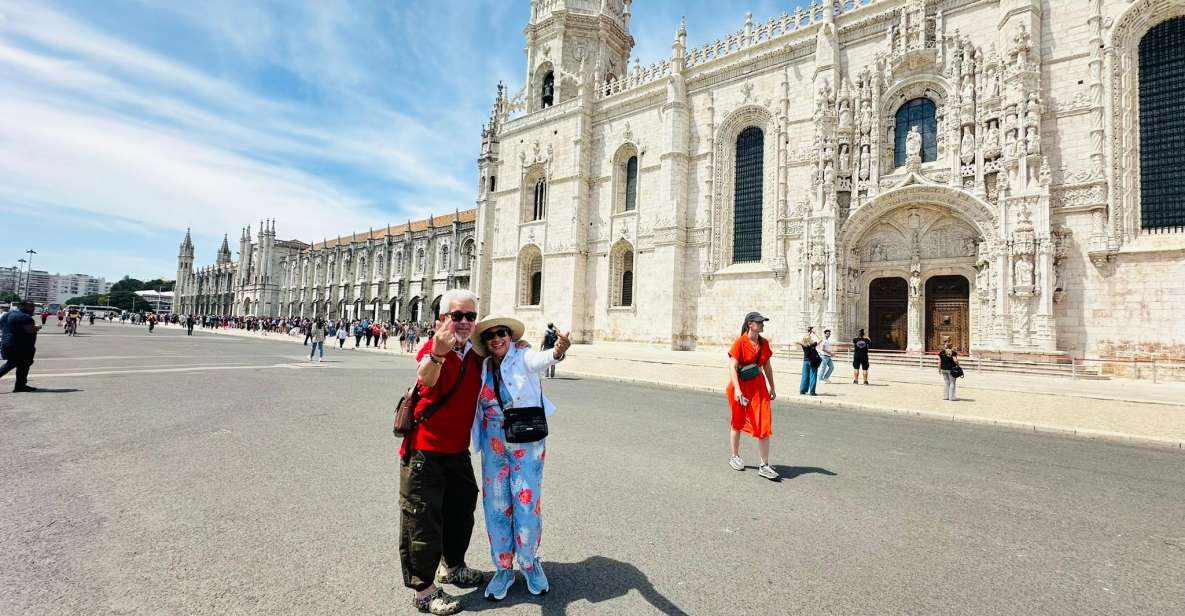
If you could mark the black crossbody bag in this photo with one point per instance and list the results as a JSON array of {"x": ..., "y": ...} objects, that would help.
[{"x": 523, "y": 424}]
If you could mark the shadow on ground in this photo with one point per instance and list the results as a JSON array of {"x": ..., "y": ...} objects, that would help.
[{"x": 595, "y": 579}]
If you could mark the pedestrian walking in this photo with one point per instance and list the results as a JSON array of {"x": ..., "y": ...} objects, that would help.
[
  {"x": 948, "y": 366},
  {"x": 358, "y": 332},
  {"x": 188, "y": 324},
  {"x": 512, "y": 466},
  {"x": 860, "y": 346},
  {"x": 18, "y": 341},
  {"x": 437, "y": 490},
  {"x": 827, "y": 355},
  {"x": 810, "y": 363},
  {"x": 317, "y": 336},
  {"x": 342, "y": 334},
  {"x": 750, "y": 391},
  {"x": 549, "y": 340}
]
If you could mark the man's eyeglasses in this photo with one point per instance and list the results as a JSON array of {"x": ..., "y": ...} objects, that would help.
[
  {"x": 498, "y": 332},
  {"x": 457, "y": 315}
]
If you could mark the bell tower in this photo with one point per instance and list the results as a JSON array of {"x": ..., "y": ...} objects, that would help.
[{"x": 567, "y": 39}]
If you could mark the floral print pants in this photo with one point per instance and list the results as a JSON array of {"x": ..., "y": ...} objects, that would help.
[{"x": 512, "y": 476}]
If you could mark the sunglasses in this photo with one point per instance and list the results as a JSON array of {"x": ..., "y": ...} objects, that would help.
[
  {"x": 498, "y": 332},
  {"x": 457, "y": 315}
]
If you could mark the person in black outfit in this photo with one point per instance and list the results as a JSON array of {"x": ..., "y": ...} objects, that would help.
[
  {"x": 549, "y": 340},
  {"x": 19, "y": 343},
  {"x": 860, "y": 345}
]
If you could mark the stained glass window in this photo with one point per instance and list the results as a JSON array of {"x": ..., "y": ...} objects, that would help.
[
  {"x": 919, "y": 112},
  {"x": 1162, "y": 126},
  {"x": 746, "y": 228}
]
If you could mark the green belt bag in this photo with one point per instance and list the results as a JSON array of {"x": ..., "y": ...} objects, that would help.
[{"x": 748, "y": 372}]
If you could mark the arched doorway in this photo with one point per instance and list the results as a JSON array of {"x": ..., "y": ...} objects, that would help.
[
  {"x": 947, "y": 302},
  {"x": 888, "y": 312},
  {"x": 413, "y": 309}
]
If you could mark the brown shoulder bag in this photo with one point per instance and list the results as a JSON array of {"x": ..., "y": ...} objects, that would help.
[{"x": 405, "y": 410}]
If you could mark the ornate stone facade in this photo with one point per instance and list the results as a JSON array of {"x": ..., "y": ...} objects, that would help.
[
  {"x": 1011, "y": 220},
  {"x": 385, "y": 274}
]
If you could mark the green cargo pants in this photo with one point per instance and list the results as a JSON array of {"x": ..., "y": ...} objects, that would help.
[{"x": 437, "y": 495}]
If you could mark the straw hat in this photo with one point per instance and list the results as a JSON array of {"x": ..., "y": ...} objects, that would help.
[{"x": 515, "y": 326}]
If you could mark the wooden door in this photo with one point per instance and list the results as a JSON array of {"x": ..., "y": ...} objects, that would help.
[{"x": 947, "y": 301}]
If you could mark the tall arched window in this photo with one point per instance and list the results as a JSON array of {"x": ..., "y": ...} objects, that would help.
[
  {"x": 621, "y": 269},
  {"x": 631, "y": 184},
  {"x": 1162, "y": 126},
  {"x": 746, "y": 227},
  {"x": 444, "y": 258},
  {"x": 530, "y": 276},
  {"x": 467, "y": 255},
  {"x": 548, "y": 90},
  {"x": 919, "y": 112},
  {"x": 420, "y": 260},
  {"x": 539, "y": 207}
]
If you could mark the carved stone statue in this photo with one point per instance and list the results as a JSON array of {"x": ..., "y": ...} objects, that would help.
[
  {"x": 1032, "y": 140},
  {"x": 817, "y": 281},
  {"x": 865, "y": 163},
  {"x": 992, "y": 145},
  {"x": 967, "y": 149},
  {"x": 1010, "y": 144},
  {"x": 844, "y": 159},
  {"x": 968, "y": 89},
  {"x": 913, "y": 145},
  {"x": 915, "y": 285},
  {"x": 1023, "y": 271},
  {"x": 828, "y": 175}
]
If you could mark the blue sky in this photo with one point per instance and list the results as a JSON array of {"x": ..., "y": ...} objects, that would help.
[{"x": 124, "y": 122}]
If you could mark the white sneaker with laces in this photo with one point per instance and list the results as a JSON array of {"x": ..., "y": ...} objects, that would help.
[
  {"x": 768, "y": 472},
  {"x": 736, "y": 463}
]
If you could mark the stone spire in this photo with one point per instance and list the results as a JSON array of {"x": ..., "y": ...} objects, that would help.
[{"x": 224, "y": 252}]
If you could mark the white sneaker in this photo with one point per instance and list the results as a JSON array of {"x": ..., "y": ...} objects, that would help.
[
  {"x": 736, "y": 463},
  {"x": 768, "y": 472}
]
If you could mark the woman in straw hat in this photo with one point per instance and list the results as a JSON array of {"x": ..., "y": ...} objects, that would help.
[{"x": 512, "y": 473}]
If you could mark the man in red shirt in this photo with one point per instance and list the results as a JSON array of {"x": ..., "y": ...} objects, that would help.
[{"x": 437, "y": 491}]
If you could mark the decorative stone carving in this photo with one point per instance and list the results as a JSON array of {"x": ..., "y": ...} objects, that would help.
[
  {"x": 967, "y": 149},
  {"x": 913, "y": 146}
]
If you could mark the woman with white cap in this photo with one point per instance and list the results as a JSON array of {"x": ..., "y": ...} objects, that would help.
[{"x": 509, "y": 430}]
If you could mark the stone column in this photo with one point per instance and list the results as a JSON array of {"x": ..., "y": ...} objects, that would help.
[{"x": 916, "y": 328}]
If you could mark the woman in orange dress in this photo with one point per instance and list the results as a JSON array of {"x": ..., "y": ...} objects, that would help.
[{"x": 748, "y": 394}]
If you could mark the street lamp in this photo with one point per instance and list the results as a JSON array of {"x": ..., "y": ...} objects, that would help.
[
  {"x": 20, "y": 273},
  {"x": 29, "y": 271}
]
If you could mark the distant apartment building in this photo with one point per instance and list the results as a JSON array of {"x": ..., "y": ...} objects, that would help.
[{"x": 43, "y": 287}]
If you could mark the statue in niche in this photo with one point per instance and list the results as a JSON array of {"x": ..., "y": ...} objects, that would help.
[
  {"x": 1033, "y": 112},
  {"x": 844, "y": 159},
  {"x": 993, "y": 139},
  {"x": 828, "y": 175},
  {"x": 1010, "y": 144},
  {"x": 913, "y": 145},
  {"x": 817, "y": 281},
  {"x": 915, "y": 285},
  {"x": 968, "y": 89},
  {"x": 967, "y": 150},
  {"x": 1032, "y": 140},
  {"x": 1023, "y": 270},
  {"x": 865, "y": 115},
  {"x": 983, "y": 278},
  {"x": 865, "y": 162},
  {"x": 845, "y": 114},
  {"x": 994, "y": 84}
]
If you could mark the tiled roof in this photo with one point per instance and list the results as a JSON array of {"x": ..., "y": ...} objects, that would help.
[{"x": 462, "y": 216}]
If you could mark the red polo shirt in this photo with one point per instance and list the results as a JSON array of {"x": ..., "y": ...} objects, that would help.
[{"x": 447, "y": 430}]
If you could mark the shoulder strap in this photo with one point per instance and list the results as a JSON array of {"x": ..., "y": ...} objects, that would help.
[{"x": 435, "y": 406}]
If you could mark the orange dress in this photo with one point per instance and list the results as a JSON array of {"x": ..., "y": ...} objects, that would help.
[{"x": 755, "y": 418}]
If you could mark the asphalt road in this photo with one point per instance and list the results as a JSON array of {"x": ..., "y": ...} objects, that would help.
[{"x": 167, "y": 474}]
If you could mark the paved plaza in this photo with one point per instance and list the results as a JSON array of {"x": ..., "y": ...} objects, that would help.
[{"x": 213, "y": 474}]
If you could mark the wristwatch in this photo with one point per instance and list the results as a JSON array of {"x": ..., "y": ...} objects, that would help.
[{"x": 437, "y": 359}]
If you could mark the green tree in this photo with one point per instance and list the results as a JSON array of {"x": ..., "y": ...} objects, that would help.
[{"x": 8, "y": 297}]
